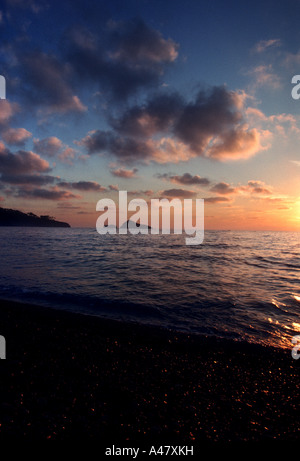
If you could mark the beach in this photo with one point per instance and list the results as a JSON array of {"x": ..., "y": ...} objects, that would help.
[{"x": 71, "y": 376}]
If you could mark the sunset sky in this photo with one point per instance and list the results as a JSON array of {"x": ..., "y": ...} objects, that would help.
[{"x": 160, "y": 98}]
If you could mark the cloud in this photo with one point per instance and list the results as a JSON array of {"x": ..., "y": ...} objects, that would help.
[
  {"x": 84, "y": 186},
  {"x": 258, "y": 187},
  {"x": 213, "y": 125},
  {"x": 139, "y": 193},
  {"x": 134, "y": 58},
  {"x": 49, "y": 147},
  {"x": 284, "y": 124},
  {"x": 55, "y": 194},
  {"x": 137, "y": 43},
  {"x": 114, "y": 187},
  {"x": 239, "y": 144},
  {"x": 292, "y": 59},
  {"x": 28, "y": 179},
  {"x": 185, "y": 179},
  {"x": 296, "y": 162},
  {"x": 53, "y": 147},
  {"x": 157, "y": 115},
  {"x": 16, "y": 136},
  {"x": 223, "y": 188},
  {"x": 210, "y": 115},
  {"x": 67, "y": 155},
  {"x": 179, "y": 193},
  {"x": 22, "y": 162},
  {"x": 7, "y": 110},
  {"x": 48, "y": 84},
  {"x": 123, "y": 173},
  {"x": 263, "y": 45},
  {"x": 34, "y": 6},
  {"x": 212, "y": 200},
  {"x": 128, "y": 149},
  {"x": 264, "y": 75},
  {"x": 68, "y": 206}
]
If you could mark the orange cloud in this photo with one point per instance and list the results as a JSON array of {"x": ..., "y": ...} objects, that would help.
[
  {"x": 240, "y": 144},
  {"x": 123, "y": 173}
]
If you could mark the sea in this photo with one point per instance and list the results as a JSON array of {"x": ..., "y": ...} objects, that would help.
[{"x": 238, "y": 285}]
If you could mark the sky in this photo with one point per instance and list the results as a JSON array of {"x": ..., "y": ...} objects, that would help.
[{"x": 164, "y": 99}]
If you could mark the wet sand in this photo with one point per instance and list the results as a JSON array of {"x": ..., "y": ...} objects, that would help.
[{"x": 73, "y": 377}]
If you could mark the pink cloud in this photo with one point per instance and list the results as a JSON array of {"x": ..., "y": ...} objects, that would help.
[
  {"x": 67, "y": 155},
  {"x": 16, "y": 136},
  {"x": 48, "y": 146},
  {"x": 263, "y": 45},
  {"x": 7, "y": 110}
]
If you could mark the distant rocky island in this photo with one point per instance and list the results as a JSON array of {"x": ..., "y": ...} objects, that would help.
[
  {"x": 142, "y": 226},
  {"x": 19, "y": 219}
]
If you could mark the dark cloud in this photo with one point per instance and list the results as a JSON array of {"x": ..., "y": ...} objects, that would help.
[
  {"x": 216, "y": 199},
  {"x": 117, "y": 79},
  {"x": 179, "y": 193},
  {"x": 138, "y": 44},
  {"x": 258, "y": 187},
  {"x": 84, "y": 186},
  {"x": 28, "y": 179},
  {"x": 168, "y": 129},
  {"x": 133, "y": 58},
  {"x": 185, "y": 179},
  {"x": 156, "y": 116},
  {"x": 212, "y": 114},
  {"x": 139, "y": 193},
  {"x": 48, "y": 83},
  {"x": 46, "y": 194},
  {"x": 22, "y": 162},
  {"x": 128, "y": 149},
  {"x": 97, "y": 141},
  {"x": 223, "y": 188}
]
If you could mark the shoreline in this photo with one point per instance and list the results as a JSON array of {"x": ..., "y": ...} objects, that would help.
[
  {"x": 109, "y": 311},
  {"x": 69, "y": 375}
]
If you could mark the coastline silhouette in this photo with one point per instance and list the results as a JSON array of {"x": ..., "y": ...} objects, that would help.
[{"x": 9, "y": 217}]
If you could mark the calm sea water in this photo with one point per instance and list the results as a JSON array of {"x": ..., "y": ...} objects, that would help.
[{"x": 241, "y": 285}]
